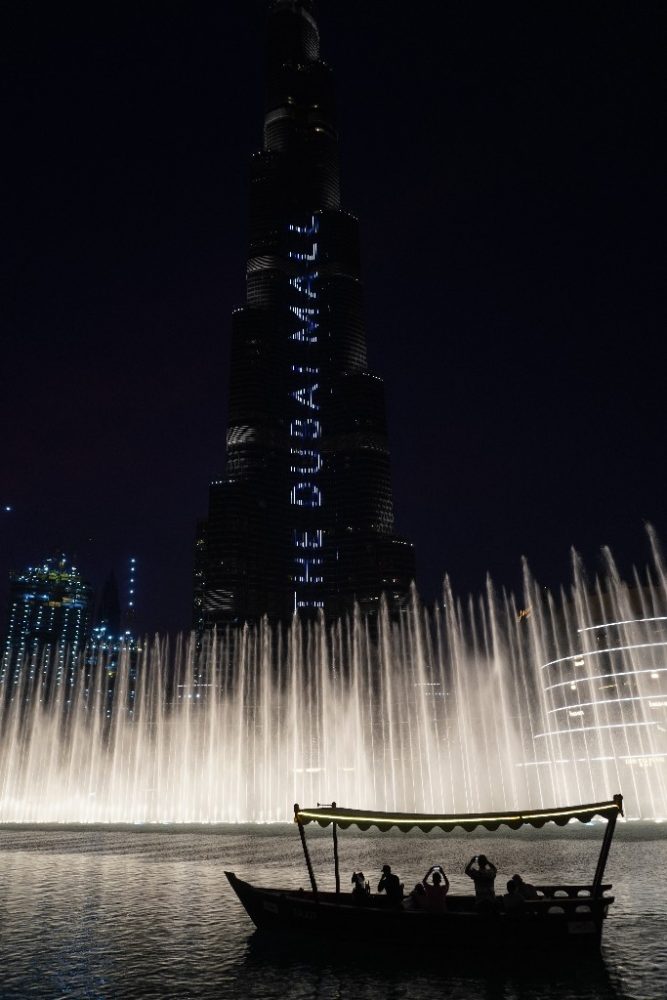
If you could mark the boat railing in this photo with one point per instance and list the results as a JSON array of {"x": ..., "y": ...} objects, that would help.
[
  {"x": 569, "y": 891},
  {"x": 568, "y": 905},
  {"x": 549, "y": 903},
  {"x": 548, "y": 893}
]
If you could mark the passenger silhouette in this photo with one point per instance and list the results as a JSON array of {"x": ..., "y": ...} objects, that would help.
[
  {"x": 483, "y": 876},
  {"x": 525, "y": 889},
  {"x": 360, "y": 887},
  {"x": 391, "y": 884},
  {"x": 435, "y": 891},
  {"x": 417, "y": 898},
  {"x": 513, "y": 903}
]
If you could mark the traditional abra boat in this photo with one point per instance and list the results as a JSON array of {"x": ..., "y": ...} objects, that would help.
[{"x": 564, "y": 916}]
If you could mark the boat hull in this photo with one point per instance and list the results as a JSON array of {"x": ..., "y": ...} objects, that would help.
[{"x": 561, "y": 924}]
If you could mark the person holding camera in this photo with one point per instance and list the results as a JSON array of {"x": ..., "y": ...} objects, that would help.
[
  {"x": 483, "y": 873},
  {"x": 436, "y": 890}
]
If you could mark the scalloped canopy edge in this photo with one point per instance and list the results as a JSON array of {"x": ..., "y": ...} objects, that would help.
[{"x": 364, "y": 819}]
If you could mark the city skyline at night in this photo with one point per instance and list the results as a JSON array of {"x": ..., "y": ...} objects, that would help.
[{"x": 505, "y": 174}]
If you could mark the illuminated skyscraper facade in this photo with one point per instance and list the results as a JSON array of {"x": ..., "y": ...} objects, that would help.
[
  {"x": 303, "y": 517},
  {"x": 114, "y": 632},
  {"x": 48, "y": 626}
]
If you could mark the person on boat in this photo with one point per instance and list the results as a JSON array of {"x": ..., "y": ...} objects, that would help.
[
  {"x": 513, "y": 903},
  {"x": 525, "y": 889},
  {"x": 483, "y": 876},
  {"x": 360, "y": 887},
  {"x": 435, "y": 891},
  {"x": 391, "y": 884},
  {"x": 415, "y": 900}
]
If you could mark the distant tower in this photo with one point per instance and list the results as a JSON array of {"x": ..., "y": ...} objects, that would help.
[
  {"x": 48, "y": 626},
  {"x": 105, "y": 635},
  {"x": 107, "y": 617},
  {"x": 302, "y": 518},
  {"x": 114, "y": 631},
  {"x": 128, "y": 620}
]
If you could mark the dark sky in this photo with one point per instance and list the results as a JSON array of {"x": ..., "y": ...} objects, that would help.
[{"x": 505, "y": 166}]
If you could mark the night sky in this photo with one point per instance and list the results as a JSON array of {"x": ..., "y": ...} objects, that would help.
[{"x": 505, "y": 167}]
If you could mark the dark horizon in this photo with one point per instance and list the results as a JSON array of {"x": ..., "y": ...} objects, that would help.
[{"x": 506, "y": 175}]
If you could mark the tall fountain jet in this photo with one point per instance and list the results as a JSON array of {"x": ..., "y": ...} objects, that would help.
[
  {"x": 488, "y": 704},
  {"x": 302, "y": 518}
]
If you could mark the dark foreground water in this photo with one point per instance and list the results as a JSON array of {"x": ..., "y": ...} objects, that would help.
[{"x": 148, "y": 913}]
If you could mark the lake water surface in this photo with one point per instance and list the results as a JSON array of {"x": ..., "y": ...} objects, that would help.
[{"x": 148, "y": 913}]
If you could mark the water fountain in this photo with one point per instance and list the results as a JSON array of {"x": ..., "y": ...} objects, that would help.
[{"x": 465, "y": 706}]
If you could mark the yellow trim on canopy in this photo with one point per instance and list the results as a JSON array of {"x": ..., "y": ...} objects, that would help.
[{"x": 425, "y": 821}]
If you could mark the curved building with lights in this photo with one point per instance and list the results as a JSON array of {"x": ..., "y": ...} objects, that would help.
[{"x": 605, "y": 699}]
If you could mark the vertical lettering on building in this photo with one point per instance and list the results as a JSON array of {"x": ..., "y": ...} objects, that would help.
[{"x": 305, "y": 428}]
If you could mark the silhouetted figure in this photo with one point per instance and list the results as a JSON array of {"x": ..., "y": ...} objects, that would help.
[
  {"x": 525, "y": 889},
  {"x": 417, "y": 898},
  {"x": 435, "y": 891},
  {"x": 483, "y": 876},
  {"x": 513, "y": 903},
  {"x": 391, "y": 884},
  {"x": 360, "y": 887}
]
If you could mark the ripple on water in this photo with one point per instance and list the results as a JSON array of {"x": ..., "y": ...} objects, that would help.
[{"x": 148, "y": 913}]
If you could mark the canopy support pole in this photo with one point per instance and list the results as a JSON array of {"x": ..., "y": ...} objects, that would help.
[
  {"x": 604, "y": 850},
  {"x": 335, "y": 850},
  {"x": 309, "y": 865}
]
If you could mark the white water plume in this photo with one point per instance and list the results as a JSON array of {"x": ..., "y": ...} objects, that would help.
[{"x": 487, "y": 704}]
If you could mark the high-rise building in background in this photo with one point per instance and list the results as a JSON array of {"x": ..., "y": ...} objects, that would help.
[
  {"x": 50, "y": 608},
  {"x": 114, "y": 633},
  {"x": 303, "y": 516},
  {"x": 108, "y": 612},
  {"x": 55, "y": 628}
]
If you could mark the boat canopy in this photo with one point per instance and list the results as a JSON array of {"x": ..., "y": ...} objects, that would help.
[{"x": 364, "y": 819}]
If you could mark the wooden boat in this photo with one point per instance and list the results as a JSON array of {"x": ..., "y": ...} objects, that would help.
[{"x": 564, "y": 917}]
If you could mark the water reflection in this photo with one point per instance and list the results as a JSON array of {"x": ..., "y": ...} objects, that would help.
[
  {"x": 343, "y": 973},
  {"x": 110, "y": 914}
]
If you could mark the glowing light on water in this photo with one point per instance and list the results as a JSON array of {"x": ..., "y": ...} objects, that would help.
[{"x": 446, "y": 710}]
